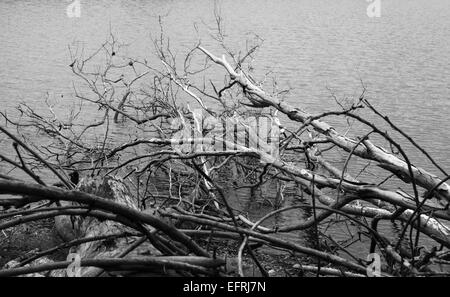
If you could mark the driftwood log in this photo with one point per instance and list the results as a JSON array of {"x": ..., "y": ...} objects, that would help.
[
  {"x": 140, "y": 251},
  {"x": 71, "y": 228}
]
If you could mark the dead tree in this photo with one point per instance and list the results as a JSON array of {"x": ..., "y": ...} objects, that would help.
[{"x": 189, "y": 128}]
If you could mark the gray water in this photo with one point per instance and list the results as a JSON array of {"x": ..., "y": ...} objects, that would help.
[{"x": 311, "y": 46}]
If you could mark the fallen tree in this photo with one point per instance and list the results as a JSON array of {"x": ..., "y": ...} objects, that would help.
[{"x": 188, "y": 130}]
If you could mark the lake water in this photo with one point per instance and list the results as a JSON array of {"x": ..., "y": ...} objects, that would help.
[{"x": 311, "y": 46}]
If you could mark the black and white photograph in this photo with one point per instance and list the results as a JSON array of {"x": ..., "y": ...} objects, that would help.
[{"x": 222, "y": 143}]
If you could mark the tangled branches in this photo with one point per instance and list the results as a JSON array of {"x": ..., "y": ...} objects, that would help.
[{"x": 161, "y": 146}]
